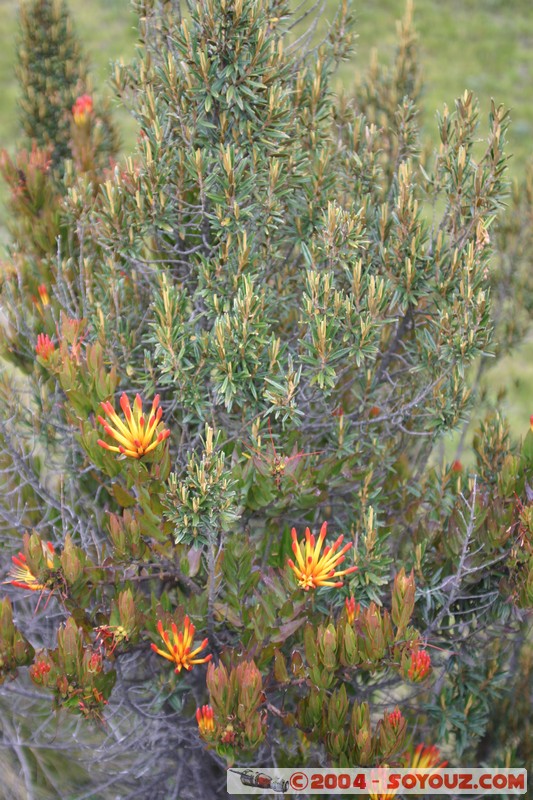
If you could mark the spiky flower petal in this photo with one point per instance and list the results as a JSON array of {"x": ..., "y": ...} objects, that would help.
[
  {"x": 205, "y": 719},
  {"x": 311, "y": 568},
  {"x": 352, "y": 609},
  {"x": 45, "y": 346},
  {"x": 20, "y": 574},
  {"x": 420, "y": 666},
  {"x": 135, "y": 437},
  {"x": 426, "y": 757},
  {"x": 179, "y": 648}
]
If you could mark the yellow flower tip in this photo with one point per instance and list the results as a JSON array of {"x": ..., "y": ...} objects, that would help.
[
  {"x": 426, "y": 757},
  {"x": 82, "y": 109},
  {"x": 43, "y": 294},
  {"x": 205, "y": 717},
  {"x": 350, "y": 609}
]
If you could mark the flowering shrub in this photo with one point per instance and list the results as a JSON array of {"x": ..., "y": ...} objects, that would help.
[{"x": 303, "y": 295}]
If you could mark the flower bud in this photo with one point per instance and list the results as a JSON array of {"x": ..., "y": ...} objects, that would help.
[
  {"x": 403, "y": 600},
  {"x": 417, "y": 667}
]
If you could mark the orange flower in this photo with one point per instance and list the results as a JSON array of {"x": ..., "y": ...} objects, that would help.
[
  {"x": 420, "y": 666},
  {"x": 45, "y": 346},
  {"x": 313, "y": 569},
  {"x": 21, "y": 575},
  {"x": 423, "y": 758},
  {"x": 82, "y": 109},
  {"x": 43, "y": 294},
  {"x": 426, "y": 757},
  {"x": 352, "y": 609},
  {"x": 179, "y": 651},
  {"x": 395, "y": 719},
  {"x": 136, "y": 438},
  {"x": 531, "y": 423},
  {"x": 205, "y": 720}
]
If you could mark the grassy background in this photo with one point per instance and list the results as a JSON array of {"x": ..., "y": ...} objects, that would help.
[{"x": 483, "y": 45}]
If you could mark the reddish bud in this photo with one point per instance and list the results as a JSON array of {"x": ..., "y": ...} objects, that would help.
[
  {"x": 419, "y": 666},
  {"x": 82, "y": 109},
  {"x": 44, "y": 347}
]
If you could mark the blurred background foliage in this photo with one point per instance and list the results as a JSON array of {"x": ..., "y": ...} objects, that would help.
[{"x": 483, "y": 45}]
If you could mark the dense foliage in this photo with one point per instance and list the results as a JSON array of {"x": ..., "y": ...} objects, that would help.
[{"x": 266, "y": 319}]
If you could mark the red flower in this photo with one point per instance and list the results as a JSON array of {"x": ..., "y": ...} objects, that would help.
[
  {"x": 420, "y": 666},
  {"x": 39, "y": 670},
  {"x": 82, "y": 109},
  {"x": 43, "y": 294},
  {"x": 44, "y": 347},
  {"x": 21, "y": 575},
  {"x": 205, "y": 720},
  {"x": 395, "y": 719},
  {"x": 95, "y": 663},
  {"x": 352, "y": 609}
]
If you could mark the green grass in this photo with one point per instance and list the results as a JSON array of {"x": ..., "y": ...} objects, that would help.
[
  {"x": 107, "y": 30},
  {"x": 483, "y": 45}
]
